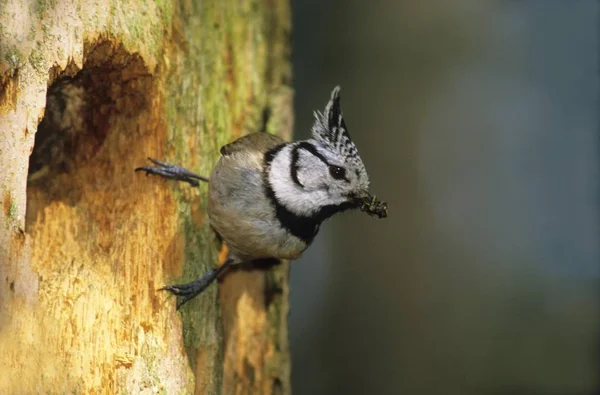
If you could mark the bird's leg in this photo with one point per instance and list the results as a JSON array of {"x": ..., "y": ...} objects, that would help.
[
  {"x": 189, "y": 291},
  {"x": 172, "y": 172}
]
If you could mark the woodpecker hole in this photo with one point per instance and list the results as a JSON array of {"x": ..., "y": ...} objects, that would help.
[{"x": 91, "y": 120}]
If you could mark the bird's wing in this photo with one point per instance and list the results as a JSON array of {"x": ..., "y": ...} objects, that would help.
[{"x": 259, "y": 141}]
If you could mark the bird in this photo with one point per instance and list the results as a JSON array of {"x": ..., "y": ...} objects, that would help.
[{"x": 267, "y": 197}]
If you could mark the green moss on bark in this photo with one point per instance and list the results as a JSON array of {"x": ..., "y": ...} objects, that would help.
[{"x": 217, "y": 66}]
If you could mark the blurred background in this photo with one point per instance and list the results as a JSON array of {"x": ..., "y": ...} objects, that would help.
[{"x": 478, "y": 121}]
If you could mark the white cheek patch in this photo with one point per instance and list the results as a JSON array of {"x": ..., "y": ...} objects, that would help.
[
  {"x": 305, "y": 200},
  {"x": 313, "y": 174}
]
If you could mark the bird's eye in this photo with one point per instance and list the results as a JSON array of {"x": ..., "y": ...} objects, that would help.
[{"x": 338, "y": 173}]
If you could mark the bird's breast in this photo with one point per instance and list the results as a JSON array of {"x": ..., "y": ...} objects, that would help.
[{"x": 242, "y": 214}]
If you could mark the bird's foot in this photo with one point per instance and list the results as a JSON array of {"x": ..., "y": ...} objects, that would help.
[
  {"x": 189, "y": 291},
  {"x": 172, "y": 172}
]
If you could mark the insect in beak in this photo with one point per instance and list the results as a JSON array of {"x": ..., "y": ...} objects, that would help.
[{"x": 371, "y": 205}]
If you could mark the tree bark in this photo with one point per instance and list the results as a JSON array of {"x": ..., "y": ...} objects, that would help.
[{"x": 90, "y": 90}]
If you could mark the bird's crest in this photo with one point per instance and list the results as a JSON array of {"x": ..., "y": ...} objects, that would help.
[{"x": 331, "y": 130}]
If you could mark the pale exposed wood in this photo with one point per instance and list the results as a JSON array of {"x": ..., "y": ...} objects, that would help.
[{"x": 83, "y": 252}]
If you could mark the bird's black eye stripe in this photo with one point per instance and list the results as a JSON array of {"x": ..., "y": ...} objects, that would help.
[
  {"x": 313, "y": 150},
  {"x": 338, "y": 173}
]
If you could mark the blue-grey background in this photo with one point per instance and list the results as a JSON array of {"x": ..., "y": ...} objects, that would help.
[{"x": 478, "y": 121}]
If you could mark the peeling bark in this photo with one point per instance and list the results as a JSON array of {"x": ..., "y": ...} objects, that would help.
[{"x": 90, "y": 91}]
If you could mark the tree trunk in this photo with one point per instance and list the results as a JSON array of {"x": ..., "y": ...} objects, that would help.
[{"x": 90, "y": 90}]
